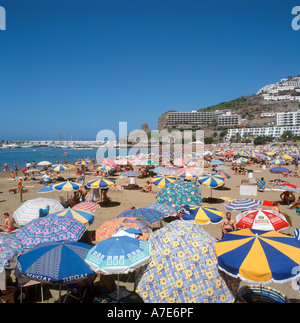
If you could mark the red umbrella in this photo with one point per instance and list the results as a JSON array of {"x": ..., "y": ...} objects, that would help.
[{"x": 261, "y": 219}]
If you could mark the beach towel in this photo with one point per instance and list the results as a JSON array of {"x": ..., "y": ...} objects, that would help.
[{"x": 267, "y": 203}]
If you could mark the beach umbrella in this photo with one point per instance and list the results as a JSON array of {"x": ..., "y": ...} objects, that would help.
[
  {"x": 187, "y": 175},
  {"x": 165, "y": 209},
  {"x": 44, "y": 163},
  {"x": 47, "y": 189},
  {"x": 50, "y": 228},
  {"x": 149, "y": 215},
  {"x": 240, "y": 161},
  {"x": 114, "y": 226},
  {"x": 59, "y": 168},
  {"x": 109, "y": 162},
  {"x": 278, "y": 170},
  {"x": 85, "y": 218},
  {"x": 100, "y": 183},
  {"x": 243, "y": 204},
  {"x": 152, "y": 162},
  {"x": 267, "y": 158},
  {"x": 224, "y": 175},
  {"x": 259, "y": 256},
  {"x": 130, "y": 174},
  {"x": 66, "y": 186},
  {"x": 29, "y": 210},
  {"x": 58, "y": 262},
  {"x": 82, "y": 163},
  {"x": 86, "y": 206},
  {"x": 202, "y": 214},
  {"x": 118, "y": 255},
  {"x": 216, "y": 162},
  {"x": 10, "y": 248},
  {"x": 183, "y": 268},
  {"x": 286, "y": 156},
  {"x": 277, "y": 162},
  {"x": 222, "y": 168},
  {"x": 168, "y": 172},
  {"x": 125, "y": 162},
  {"x": 162, "y": 180},
  {"x": 261, "y": 219},
  {"x": 106, "y": 168},
  {"x": 158, "y": 169},
  {"x": 211, "y": 180},
  {"x": 179, "y": 193}
]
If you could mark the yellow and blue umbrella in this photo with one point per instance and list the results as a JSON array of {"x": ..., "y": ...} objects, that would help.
[
  {"x": 161, "y": 180},
  {"x": 202, "y": 214},
  {"x": 85, "y": 218},
  {"x": 211, "y": 180},
  {"x": 240, "y": 161},
  {"x": 82, "y": 163},
  {"x": 59, "y": 168},
  {"x": 259, "y": 256},
  {"x": 186, "y": 175},
  {"x": 67, "y": 186},
  {"x": 277, "y": 162},
  {"x": 100, "y": 183},
  {"x": 106, "y": 168}
]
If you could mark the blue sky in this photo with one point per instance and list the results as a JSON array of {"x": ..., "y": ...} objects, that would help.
[{"x": 80, "y": 66}]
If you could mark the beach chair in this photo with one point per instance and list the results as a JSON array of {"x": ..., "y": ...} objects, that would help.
[{"x": 75, "y": 292}]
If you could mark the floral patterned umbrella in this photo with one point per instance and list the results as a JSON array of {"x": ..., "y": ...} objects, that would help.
[
  {"x": 148, "y": 215},
  {"x": 50, "y": 228},
  {"x": 183, "y": 268},
  {"x": 179, "y": 193},
  {"x": 10, "y": 248},
  {"x": 110, "y": 228}
]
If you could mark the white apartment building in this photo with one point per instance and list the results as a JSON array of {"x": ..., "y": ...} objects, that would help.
[
  {"x": 229, "y": 119},
  {"x": 274, "y": 132},
  {"x": 288, "y": 118}
]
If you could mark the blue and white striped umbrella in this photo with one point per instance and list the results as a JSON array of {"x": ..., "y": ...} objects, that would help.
[{"x": 243, "y": 204}]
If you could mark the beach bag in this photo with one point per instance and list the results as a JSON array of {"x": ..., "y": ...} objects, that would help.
[
  {"x": 298, "y": 211},
  {"x": 44, "y": 212}
]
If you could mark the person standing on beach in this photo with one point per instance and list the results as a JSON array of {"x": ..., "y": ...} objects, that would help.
[{"x": 16, "y": 169}]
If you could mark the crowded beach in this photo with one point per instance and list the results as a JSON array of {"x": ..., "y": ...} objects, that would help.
[{"x": 138, "y": 230}]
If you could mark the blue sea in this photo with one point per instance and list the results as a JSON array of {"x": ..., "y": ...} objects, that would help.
[{"x": 22, "y": 155}]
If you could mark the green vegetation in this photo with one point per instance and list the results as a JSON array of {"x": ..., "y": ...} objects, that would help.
[{"x": 231, "y": 105}]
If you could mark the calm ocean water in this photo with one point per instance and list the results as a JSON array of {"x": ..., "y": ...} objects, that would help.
[{"x": 22, "y": 155}]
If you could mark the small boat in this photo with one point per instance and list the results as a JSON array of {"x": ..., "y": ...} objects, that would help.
[{"x": 65, "y": 154}]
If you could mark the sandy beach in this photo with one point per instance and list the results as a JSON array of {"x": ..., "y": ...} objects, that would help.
[{"x": 121, "y": 200}]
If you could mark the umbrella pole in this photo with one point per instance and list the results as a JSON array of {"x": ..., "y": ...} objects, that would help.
[
  {"x": 59, "y": 295},
  {"x": 261, "y": 294},
  {"x": 118, "y": 290}
]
